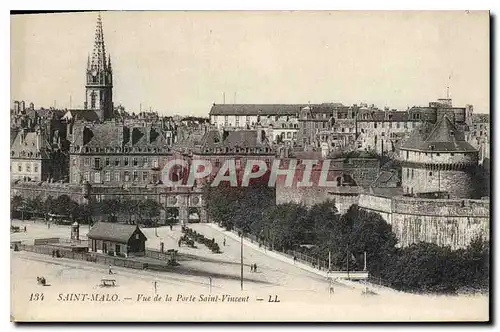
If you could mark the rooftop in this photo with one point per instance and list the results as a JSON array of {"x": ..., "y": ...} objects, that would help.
[
  {"x": 112, "y": 232},
  {"x": 441, "y": 137}
]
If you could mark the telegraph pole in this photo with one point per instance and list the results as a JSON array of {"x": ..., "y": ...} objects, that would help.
[
  {"x": 365, "y": 262},
  {"x": 242, "y": 260},
  {"x": 348, "y": 262},
  {"x": 329, "y": 260}
]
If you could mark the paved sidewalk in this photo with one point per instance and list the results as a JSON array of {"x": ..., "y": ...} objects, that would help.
[
  {"x": 280, "y": 256},
  {"x": 287, "y": 259}
]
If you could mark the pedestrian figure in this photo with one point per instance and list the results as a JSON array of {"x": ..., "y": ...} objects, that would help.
[
  {"x": 48, "y": 225},
  {"x": 251, "y": 267},
  {"x": 25, "y": 229},
  {"x": 110, "y": 272},
  {"x": 224, "y": 242},
  {"x": 53, "y": 253},
  {"x": 170, "y": 227},
  {"x": 154, "y": 285},
  {"x": 294, "y": 259},
  {"x": 179, "y": 243},
  {"x": 254, "y": 267}
]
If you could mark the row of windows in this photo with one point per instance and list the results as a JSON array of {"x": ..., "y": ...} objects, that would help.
[
  {"x": 432, "y": 154},
  {"x": 474, "y": 133},
  {"x": 343, "y": 130},
  {"x": 27, "y": 167},
  {"x": 136, "y": 161},
  {"x": 28, "y": 154},
  {"x": 119, "y": 150},
  {"x": 288, "y": 135},
  {"x": 238, "y": 150},
  {"x": 216, "y": 162},
  {"x": 117, "y": 176}
]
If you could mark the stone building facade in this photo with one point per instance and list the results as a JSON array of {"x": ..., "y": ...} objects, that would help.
[
  {"x": 479, "y": 135},
  {"x": 249, "y": 115},
  {"x": 34, "y": 158},
  {"x": 240, "y": 146},
  {"x": 115, "y": 154}
]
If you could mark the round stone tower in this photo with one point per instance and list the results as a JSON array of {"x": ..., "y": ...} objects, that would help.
[{"x": 436, "y": 160}]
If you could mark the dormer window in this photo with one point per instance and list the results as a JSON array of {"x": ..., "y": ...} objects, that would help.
[{"x": 452, "y": 133}]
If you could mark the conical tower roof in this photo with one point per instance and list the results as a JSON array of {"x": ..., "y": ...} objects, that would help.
[
  {"x": 99, "y": 54},
  {"x": 444, "y": 136}
]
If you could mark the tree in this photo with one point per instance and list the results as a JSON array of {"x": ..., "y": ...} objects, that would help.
[
  {"x": 241, "y": 207},
  {"x": 109, "y": 208},
  {"x": 35, "y": 206},
  {"x": 149, "y": 209},
  {"x": 220, "y": 204},
  {"x": 65, "y": 206},
  {"x": 48, "y": 206},
  {"x": 359, "y": 231},
  {"x": 283, "y": 225},
  {"x": 130, "y": 208},
  {"x": 84, "y": 213},
  {"x": 16, "y": 204}
]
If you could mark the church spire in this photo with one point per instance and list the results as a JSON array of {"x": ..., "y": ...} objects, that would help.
[
  {"x": 99, "y": 54},
  {"x": 99, "y": 87}
]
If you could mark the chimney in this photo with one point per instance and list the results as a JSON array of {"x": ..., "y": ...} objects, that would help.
[
  {"x": 324, "y": 150},
  {"x": 259, "y": 135},
  {"x": 38, "y": 138},
  {"x": 16, "y": 106},
  {"x": 23, "y": 106},
  {"x": 32, "y": 106}
]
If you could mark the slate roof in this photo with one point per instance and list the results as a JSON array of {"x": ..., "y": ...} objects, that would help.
[
  {"x": 82, "y": 115},
  {"x": 235, "y": 138},
  {"x": 380, "y": 116},
  {"x": 28, "y": 147},
  {"x": 272, "y": 109},
  {"x": 112, "y": 232},
  {"x": 191, "y": 140},
  {"x": 386, "y": 179},
  {"x": 117, "y": 135},
  {"x": 441, "y": 137},
  {"x": 256, "y": 109}
]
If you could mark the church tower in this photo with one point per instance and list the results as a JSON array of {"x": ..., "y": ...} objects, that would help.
[{"x": 99, "y": 85}]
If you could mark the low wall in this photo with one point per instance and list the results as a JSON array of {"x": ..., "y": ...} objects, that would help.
[
  {"x": 46, "y": 241},
  {"x": 381, "y": 205},
  {"x": 84, "y": 256},
  {"x": 344, "y": 197},
  {"x": 445, "y": 222}
]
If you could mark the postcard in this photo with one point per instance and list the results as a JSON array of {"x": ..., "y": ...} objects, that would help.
[{"x": 246, "y": 166}]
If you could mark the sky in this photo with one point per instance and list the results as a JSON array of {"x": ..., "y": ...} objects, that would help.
[{"x": 182, "y": 62}]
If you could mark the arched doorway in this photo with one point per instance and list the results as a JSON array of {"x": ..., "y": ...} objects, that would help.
[
  {"x": 194, "y": 215},
  {"x": 171, "y": 215}
]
